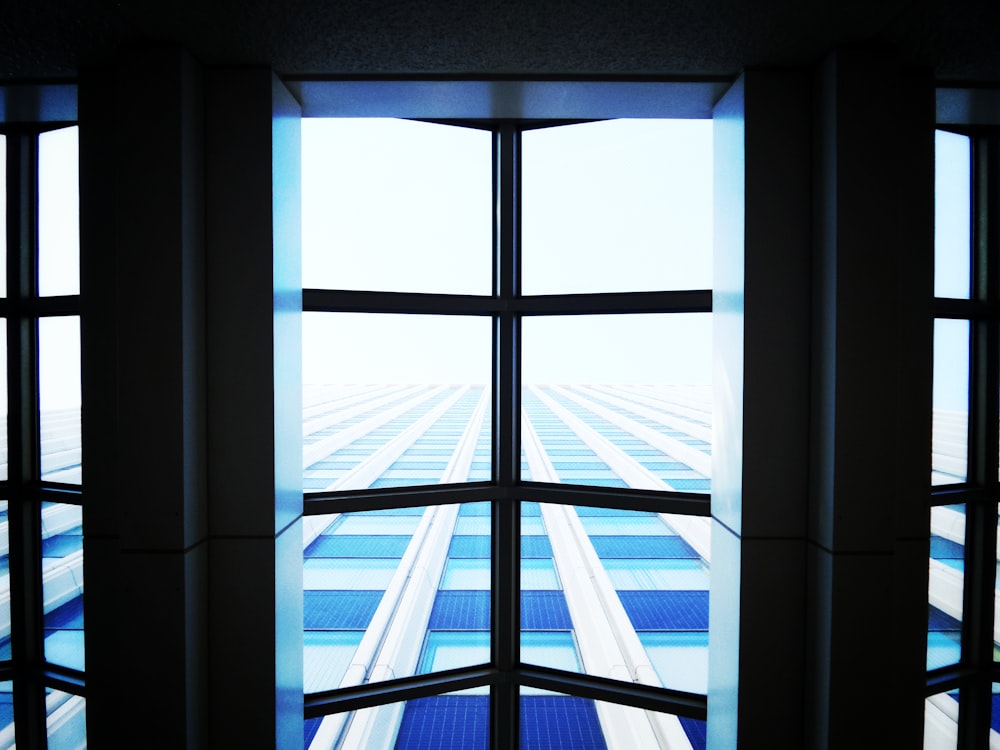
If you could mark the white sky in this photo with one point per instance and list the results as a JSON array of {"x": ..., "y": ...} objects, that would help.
[
  {"x": 397, "y": 205},
  {"x": 952, "y": 242}
]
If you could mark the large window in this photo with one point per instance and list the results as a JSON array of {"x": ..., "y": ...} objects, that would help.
[
  {"x": 41, "y": 582},
  {"x": 963, "y": 707},
  {"x": 507, "y": 432}
]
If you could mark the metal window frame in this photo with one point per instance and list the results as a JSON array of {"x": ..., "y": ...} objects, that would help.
[
  {"x": 976, "y": 671},
  {"x": 505, "y": 673},
  {"x": 22, "y": 308}
]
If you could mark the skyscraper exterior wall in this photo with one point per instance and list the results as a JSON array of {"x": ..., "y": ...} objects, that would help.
[{"x": 612, "y": 593}]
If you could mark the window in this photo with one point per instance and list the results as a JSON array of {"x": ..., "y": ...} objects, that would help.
[
  {"x": 42, "y": 658},
  {"x": 507, "y": 429},
  {"x": 963, "y": 688}
]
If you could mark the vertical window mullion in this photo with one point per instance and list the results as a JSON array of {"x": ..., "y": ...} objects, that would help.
[
  {"x": 505, "y": 609},
  {"x": 984, "y": 446},
  {"x": 24, "y": 518}
]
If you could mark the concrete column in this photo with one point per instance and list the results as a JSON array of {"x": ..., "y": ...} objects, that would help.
[
  {"x": 254, "y": 296},
  {"x": 871, "y": 381},
  {"x": 761, "y": 383},
  {"x": 145, "y": 523}
]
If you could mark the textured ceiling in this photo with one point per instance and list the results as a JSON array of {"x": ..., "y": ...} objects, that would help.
[{"x": 54, "y": 38}]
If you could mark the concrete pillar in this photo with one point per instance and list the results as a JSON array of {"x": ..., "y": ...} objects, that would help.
[
  {"x": 761, "y": 375},
  {"x": 871, "y": 380}
]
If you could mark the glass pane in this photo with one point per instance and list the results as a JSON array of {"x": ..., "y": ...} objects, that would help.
[
  {"x": 59, "y": 398},
  {"x": 396, "y": 205},
  {"x": 3, "y": 399},
  {"x": 4, "y": 587},
  {"x": 950, "y": 436},
  {"x": 617, "y": 206},
  {"x": 58, "y": 212},
  {"x": 395, "y": 400},
  {"x": 62, "y": 584},
  {"x": 952, "y": 215},
  {"x": 3, "y": 216},
  {"x": 392, "y": 593},
  {"x": 601, "y": 406},
  {"x": 623, "y": 583},
  {"x": 553, "y": 721},
  {"x": 66, "y": 720},
  {"x": 946, "y": 585},
  {"x": 941, "y": 722},
  {"x": 7, "y": 714},
  {"x": 453, "y": 721}
]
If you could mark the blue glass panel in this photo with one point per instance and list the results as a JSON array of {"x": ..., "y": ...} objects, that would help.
[
  {"x": 311, "y": 727},
  {"x": 339, "y": 610},
  {"x": 350, "y": 545},
  {"x": 652, "y": 546},
  {"x": 445, "y": 722},
  {"x": 449, "y": 649},
  {"x": 327, "y": 656},
  {"x": 69, "y": 615},
  {"x": 666, "y": 610},
  {"x": 942, "y": 548},
  {"x": 696, "y": 731},
  {"x": 544, "y": 610},
  {"x": 535, "y": 546},
  {"x": 549, "y": 648},
  {"x": 556, "y": 721},
  {"x": 460, "y": 610},
  {"x": 469, "y": 546}
]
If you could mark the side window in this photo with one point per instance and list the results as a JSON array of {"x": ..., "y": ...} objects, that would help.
[{"x": 41, "y": 624}]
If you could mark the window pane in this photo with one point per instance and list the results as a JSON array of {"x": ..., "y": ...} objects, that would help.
[
  {"x": 453, "y": 721},
  {"x": 396, "y": 205},
  {"x": 66, "y": 720},
  {"x": 946, "y": 585},
  {"x": 4, "y": 586},
  {"x": 3, "y": 399},
  {"x": 62, "y": 584},
  {"x": 941, "y": 721},
  {"x": 3, "y": 216},
  {"x": 392, "y": 593},
  {"x": 624, "y": 590},
  {"x": 59, "y": 398},
  {"x": 7, "y": 714},
  {"x": 950, "y": 437},
  {"x": 553, "y": 721},
  {"x": 58, "y": 212},
  {"x": 395, "y": 400},
  {"x": 603, "y": 407},
  {"x": 618, "y": 205},
  {"x": 952, "y": 215}
]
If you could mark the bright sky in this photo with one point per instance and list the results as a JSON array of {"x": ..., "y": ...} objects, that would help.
[
  {"x": 397, "y": 205},
  {"x": 952, "y": 243}
]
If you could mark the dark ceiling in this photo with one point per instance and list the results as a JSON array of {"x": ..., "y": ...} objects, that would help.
[{"x": 54, "y": 38}]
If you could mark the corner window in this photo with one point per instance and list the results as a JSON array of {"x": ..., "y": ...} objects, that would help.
[{"x": 507, "y": 429}]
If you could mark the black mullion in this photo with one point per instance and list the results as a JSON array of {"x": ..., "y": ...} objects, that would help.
[
  {"x": 24, "y": 517},
  {"x": 984, "y": 445},
  {"x": 505, "y": 596}
]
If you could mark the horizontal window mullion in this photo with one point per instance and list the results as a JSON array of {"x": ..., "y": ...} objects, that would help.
[
  {"x": 675, "y": 702},
  {"x": 346, "y": 300},
  {"x": 686, "y": 503},
  {"x": 394, "y": 691},
  {"x": 40, "y": 307}
]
